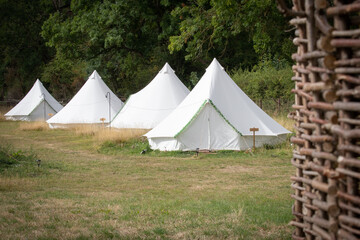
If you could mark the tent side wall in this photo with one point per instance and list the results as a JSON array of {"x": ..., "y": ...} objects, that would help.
[
  {"x": 210, "y": 131},
  {"x": 166, "y": 144},
  {"x": 78, "y": 125},
  {"x": 244, "y": 143},
  {"x": 36, "y": 115},
  {"x": 17, "y": 118}
]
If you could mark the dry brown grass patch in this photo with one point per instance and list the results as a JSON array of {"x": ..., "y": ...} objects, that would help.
[
  {"x": 103, "y": 134},
  {"x": 16, "y": 184},
  {"x": 34, "y": 126},
  {"x": 119, "y": 135},
  {"x": 285, "y": 122},
  {"x": 86, "y": 129},
  {"x": 3, "y": 111}
]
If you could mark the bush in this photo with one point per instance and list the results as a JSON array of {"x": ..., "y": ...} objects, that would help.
[
  {"x": 268, "y": 85},
  {"x": 10, "y": 158}
]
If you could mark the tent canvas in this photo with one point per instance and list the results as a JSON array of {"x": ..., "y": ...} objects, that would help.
[
  {"x": 37, "y": 105},
  {"x": 148, "y": 107},
  {"x": 89, "y": 105},
  {"x": 216, "y": 115}
]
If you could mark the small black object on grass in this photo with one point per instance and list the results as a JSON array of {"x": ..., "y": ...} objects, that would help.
[
  {"x": 38, "y": 161},
  {"x": 143, "y": 151}
]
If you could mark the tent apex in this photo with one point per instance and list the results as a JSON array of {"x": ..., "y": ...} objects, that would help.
[
  {"x": 38, "y": 82},
  {"x": 94, "y": 75},
  {"x": 167, "y": 69},
  {"x": 214, "y": 64}
]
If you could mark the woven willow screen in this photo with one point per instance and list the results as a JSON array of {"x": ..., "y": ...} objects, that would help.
[{"x": 327, "y": 118}]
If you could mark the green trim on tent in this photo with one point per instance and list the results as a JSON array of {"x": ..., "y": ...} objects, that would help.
[
  {"x": 120, "y": 109},
  {"x": 224, "y": 117},
  {"x": 192, "y": 119}
]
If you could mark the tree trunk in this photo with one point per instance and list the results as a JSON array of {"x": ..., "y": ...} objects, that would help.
[{"x": 278, "y": 105}]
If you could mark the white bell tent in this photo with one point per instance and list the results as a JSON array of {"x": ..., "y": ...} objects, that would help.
[
  {"x": 37, "y": 105},
  {"x": 94, "y": 101},
  {"x": 216, "y": 115},
  {"x": 148, "y": 107}
]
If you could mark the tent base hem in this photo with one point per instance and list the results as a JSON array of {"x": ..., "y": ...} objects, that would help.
[{"x": 174, "y": 144}]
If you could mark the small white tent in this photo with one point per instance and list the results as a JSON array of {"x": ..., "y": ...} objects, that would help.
[
  {"x": 91, "y": 103},
  {"x": 148, "y": 107},
  {"x": 37, "y": 105},
  {"x": 216, "y": 115}
]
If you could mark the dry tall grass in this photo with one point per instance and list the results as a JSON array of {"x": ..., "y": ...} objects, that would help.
[
  {"x": 284, "y": 121},
  {"x": 86, "y": 129},
  {"x": 3, "y": 111},
  {"x": 103, "y": 134},
  {"x": 34, "y": 126},
  {"x": 119, "y": 135}
]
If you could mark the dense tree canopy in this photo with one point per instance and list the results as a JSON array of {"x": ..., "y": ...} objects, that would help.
[
  {"x": 127, "y": 42},
  {"x": 23, "y": 53}
]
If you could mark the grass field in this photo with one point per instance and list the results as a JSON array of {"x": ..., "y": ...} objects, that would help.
[{"x": 86, "y": 188}]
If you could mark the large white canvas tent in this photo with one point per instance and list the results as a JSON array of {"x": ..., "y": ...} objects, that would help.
[
  {"x": 89, "y": 105},
  {"x": 148, "y": 107},
  {"x": 37, "y": 105},
  {"x": 216, "y": 115}
]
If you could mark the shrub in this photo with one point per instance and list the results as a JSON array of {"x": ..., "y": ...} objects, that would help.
[
  {"x": 10, "y": 158},
  {"x": 267, "y": 84}
]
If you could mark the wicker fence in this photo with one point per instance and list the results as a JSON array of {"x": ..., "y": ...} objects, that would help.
[{"x": 327, "y": 120}]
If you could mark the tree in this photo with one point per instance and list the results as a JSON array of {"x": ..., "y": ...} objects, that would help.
[
  {"x": 121, "y": 39},
  {"x": 268, "y": 84},
  {"x": 128, "y": 42},
  {"x": 236, "y": 31},
  {"x": 23, "y": 51}
]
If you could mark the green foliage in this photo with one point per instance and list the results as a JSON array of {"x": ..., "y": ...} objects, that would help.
[
  {"x": 122, "y": 39},
  {"x": 194, "y": 79},
  {"x": 64, "y": 76},
  {"x": 134, "y": 146},
  {"x": 208, "y": 28},
  {"x": 10, "y": 158},
  {"x": 268, "y": 84},
  {"x": 128, "y": 42},
  {"x": 22, "y": 49}
]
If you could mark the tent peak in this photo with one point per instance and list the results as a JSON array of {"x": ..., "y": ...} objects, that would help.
[
  {"x": 94, "y": 75},
  {"x": 38, "y": 82},
  {"x": 167, "y": 69},
  {"x": 214, "y": 64},
  {"x": 89, "y": 104}
]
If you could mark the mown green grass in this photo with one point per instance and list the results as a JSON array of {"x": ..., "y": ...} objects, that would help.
[{"x": 87, "y": 190}]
